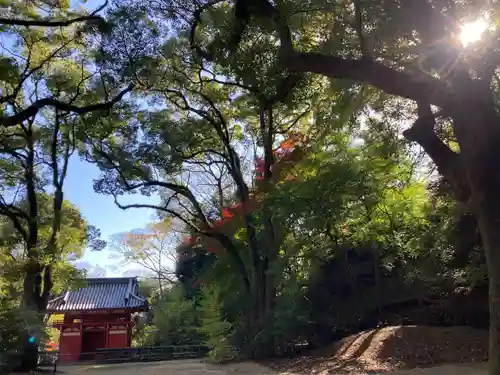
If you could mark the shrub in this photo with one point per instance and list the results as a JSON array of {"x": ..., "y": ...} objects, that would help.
[{"x": 214, "y": 327}]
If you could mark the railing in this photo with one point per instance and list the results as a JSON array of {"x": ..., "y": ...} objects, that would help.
[
  {"x": 153, "y": 353},
  {"x": 158, "y": 353}
]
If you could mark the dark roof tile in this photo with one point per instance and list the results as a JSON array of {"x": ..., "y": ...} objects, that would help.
[{"x": 99, "y": 294}]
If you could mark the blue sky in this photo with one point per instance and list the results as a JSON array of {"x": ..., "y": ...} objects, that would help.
[{"x": 101, "y": 211}]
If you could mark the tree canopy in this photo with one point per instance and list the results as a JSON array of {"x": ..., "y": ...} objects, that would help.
[{"x": 311, "y": 155}]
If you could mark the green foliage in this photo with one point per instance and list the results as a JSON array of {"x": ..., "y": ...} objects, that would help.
[
  {"x": 16, "y": 321},
  {"x": 215, "y": 327},
  {"x": 339, "y": 228},
  {"x": 288, "y": 325},
  {"x": 346, "y": 221},
  {"x": 175, "y": 321}
]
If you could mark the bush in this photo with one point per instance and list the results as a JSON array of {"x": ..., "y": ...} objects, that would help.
[
  {"x": 287, "y": 326},
  {"x": 214, "y": 327},
  {"x": 175, "y": 322},
  {"x": 15, "y": 323}
]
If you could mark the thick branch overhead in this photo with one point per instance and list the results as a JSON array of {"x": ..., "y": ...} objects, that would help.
[
  {"x": 33, "y": 109},
  {"x": 418, "y": 88}
]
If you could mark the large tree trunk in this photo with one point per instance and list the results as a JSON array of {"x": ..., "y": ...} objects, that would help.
[
  {"x": 29, "y": 356},
  {"x": 474, "y": 174},
  {"x": 36, "y": 294},
  {"x": 486, "y": 200},
  {"x": 480, "y": 147},
  {"x": 489, "y": 223},
  {"x": 29, "y": 360}
]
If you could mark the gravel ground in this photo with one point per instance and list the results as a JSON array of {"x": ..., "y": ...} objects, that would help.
[
  {"x": 188, "y": 367},
  {"x": 180, "y": 367}
]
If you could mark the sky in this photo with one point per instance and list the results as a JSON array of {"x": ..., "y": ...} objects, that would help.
[{"x": 100, "y": 210}]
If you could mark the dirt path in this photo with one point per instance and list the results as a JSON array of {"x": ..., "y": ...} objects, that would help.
[
  {"x": 181, "y": 367},
  {"x": 473, "y": 369},
  {"x": 194, "y": 367}
]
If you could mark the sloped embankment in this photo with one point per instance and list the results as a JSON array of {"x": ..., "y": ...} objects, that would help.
[{"x": 392, "y": 348}]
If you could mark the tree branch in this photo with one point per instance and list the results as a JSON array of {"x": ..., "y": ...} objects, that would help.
[
  {"x": 222, "y": 238},
  {"x": 295, "y": 121},
  {"x": 447, "y": 161},
  {"x": 365, "y": 54},
  {"x": 419, "y": 88},
  {"x": 92, "y": 17},
  {"x": 33, "y": 109},
  {"x": 14, "y": 214},
  {"x": 197, "y": 21},
  {"x": 47, "y": 287}
]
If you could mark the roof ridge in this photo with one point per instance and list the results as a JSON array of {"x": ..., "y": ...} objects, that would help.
[{"x": 100, "y": 293}]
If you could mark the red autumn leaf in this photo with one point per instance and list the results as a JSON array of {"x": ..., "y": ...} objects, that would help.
[{"x": 226, "y": 213}]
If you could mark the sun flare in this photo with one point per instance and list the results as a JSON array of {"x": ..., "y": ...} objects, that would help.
[{"x": 472, "y": 32}]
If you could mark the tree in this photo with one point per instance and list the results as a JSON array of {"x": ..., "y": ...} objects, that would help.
[
  {"x": 27, "y": 15},
  {"x": 152, "y": 248},
  {"x": 74, "y": 236},
  {"x": 203, "y": 128},
  {"x": 407, "y": 50},
  {"x": 39, "y": 39},
  {"x": 215, "y": 327},
  {"x": 230, "y": 92},
  {"x": 46, "y": 93}
]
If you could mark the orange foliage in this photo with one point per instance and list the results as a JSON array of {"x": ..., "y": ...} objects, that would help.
[
  {"x": 287, "y": 145},
  {"x": 226, "y": 213}
]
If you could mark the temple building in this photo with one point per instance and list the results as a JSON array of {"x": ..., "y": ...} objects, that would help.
[{"x": 98, "y": 315}]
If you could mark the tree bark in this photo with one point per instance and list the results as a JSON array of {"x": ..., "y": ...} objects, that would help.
[
  {"x": 270, "y": 248},
  {"x": 489, "y": 224},
  {"x": 29, "y": 359},
  {"x": 479, "y": 143}
]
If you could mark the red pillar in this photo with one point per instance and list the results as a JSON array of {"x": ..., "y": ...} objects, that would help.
[{"x": 70, "y": 344}]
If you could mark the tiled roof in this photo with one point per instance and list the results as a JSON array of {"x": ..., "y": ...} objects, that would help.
[{"x": 101, "y": 293}]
